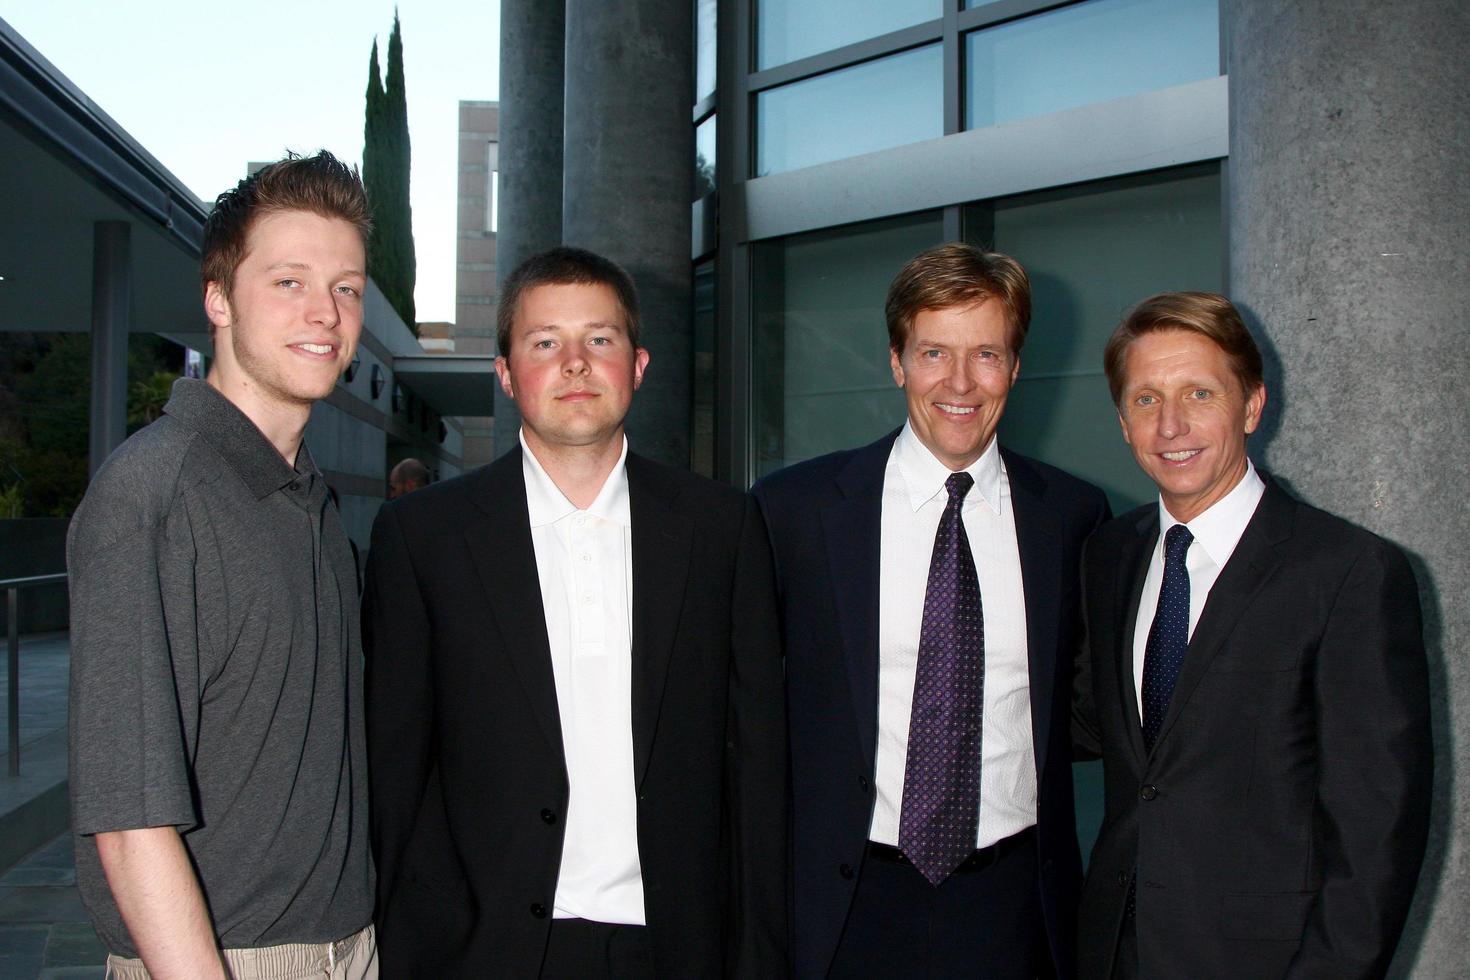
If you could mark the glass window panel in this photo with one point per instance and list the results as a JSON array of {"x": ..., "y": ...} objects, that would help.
[
  {"x": 702, "y": 447},
  {"x": 821, "y": 375},
  {"x": 704, "y": 48},
  {"x": 790, "y": 29},
  {"x": 872, "y": 106},
  {"x": 704, "y": 158},
  {"x": 1086, "y": 53},
  {"x": 1092, "y": 252}
]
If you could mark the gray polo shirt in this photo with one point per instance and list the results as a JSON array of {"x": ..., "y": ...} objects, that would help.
[{"x": 216, "y": 676}]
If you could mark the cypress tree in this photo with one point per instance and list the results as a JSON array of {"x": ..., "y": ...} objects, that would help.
[
  {"x": 385, "y": 175},
  {"x": 399, "y": 167}
]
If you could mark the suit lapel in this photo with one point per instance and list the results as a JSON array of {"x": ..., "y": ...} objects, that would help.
[
  {"x": 852, "y": 526},
  {"x": 1038, "y": 541},
  {"x": 1251, "y": 565},
  {"x": 662, "y": 539},
  {"x": 498, "y": 534},
  {"x": 1133, "y": 564}
]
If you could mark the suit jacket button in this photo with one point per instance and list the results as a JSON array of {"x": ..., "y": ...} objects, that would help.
[
  {"x": 863, "y": 783},
  {"x": 538, "y": 910},
  {"x": 1122, "y": 879},
  {"x": 845, "y": 870},
  {"x": 1148, "y": 792},
  {"x": 548, "y": 816}
]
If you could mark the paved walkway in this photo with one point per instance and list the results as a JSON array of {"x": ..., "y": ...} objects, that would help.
[{"x": 44, "y": 932}]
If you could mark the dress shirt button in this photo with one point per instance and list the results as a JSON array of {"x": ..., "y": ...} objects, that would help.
[
  {"x": 863, "y": 783},
  {"x": 581, "y": 520},
  {"x": 586, "y": 556},
  {"x": 1148, "y": 792},
  {"x": 845, "y": 870},
  {"x": 587, "y": 599},
  {"x": 538, "y": 910},
  {"x": 548, "y": 816}
]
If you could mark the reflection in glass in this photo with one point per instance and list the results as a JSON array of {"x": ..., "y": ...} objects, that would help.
[
  {"x": 791, "y": 29},
  {"x": 821, "y": 375},
  {"x": 1086, "y": 53},
  {"x": 704, "y": 158},
  {"x": 702, "y": 441},
  {"x": 1092, "y": 252},
  {"x": 704, "y": 48},
  {"x": 871, "y": 106}
]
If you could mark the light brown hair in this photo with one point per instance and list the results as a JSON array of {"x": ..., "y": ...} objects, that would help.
[
  {"x": 320, "y": 184},
  {"x": 1208, "y": 314},
  {"x": 952, "y": 275}
]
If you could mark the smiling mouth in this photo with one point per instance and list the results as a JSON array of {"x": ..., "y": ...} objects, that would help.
[
  {"x": 1181, "y": 455},
  {"x": 955, "y": 409},
  {"x": 316, "y": 348}
]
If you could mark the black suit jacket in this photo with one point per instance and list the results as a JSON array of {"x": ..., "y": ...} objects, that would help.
[
  {"x": 469, "y": 783},
  {"x": 1278, "y": 825},
  {"x": 825, "y": 519}
]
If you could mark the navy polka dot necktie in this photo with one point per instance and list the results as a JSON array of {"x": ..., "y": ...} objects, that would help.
[
  {"x": 1168, "y": 636},
  {"x": 941, "y": 781}
]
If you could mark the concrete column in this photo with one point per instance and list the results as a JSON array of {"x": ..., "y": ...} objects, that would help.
[
  {"x": 532, "y": 40},
  {"x": 1349, "y": 218},
  {"x": 628, "y": 185},
  {"x": 111, "y": 295}
]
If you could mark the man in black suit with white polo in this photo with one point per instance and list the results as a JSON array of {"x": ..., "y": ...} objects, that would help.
[
  {"x": 929, "y": 586},
  {"x": 1257, "y": 689},
  {"x": 575, "y": 712}
]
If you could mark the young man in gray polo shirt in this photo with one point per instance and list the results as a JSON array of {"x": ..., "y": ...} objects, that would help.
[{"x": 218, "y": 775}]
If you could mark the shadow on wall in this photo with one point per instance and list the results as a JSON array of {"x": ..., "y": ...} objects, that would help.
[{"x": 1431, "y": 877}]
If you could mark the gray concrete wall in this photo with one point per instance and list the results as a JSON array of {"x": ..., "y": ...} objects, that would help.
[
  {"x": 532, "y": 38},
  {"x": 629, "y": 164},
  {"x": 1349, "y": 220}
]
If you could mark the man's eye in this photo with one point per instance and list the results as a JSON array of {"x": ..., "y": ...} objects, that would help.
[
  {"x": 1200, "y": 393},
  {"x": 543, "y": 344},
  {"x": 1145, "y": 399},
  {"x": 288, "y": 283},
  {"x": 932, "y": 355},
  {"x": 348, "y": 290},
  {"x": 599, "y": 341}
]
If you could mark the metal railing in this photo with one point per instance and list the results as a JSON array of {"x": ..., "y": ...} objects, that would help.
[{"x": 12, "y": 587}]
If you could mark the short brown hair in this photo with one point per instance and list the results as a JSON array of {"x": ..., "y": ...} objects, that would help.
[
  {"x": 1208, "y": 314},
  {"x": 564, "y": 266},
  {"x": 953, "y": 275},
  {"x": 320, "y": 184}
]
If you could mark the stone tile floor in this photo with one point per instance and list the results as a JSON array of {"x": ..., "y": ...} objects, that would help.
[{"x": 44, "y": 931}]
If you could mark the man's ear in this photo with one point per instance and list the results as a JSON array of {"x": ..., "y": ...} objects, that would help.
[
  {"x": 217, "y": 304},
  {"x": 640, "y": 364},
  {"x": 502, "y": 370}
]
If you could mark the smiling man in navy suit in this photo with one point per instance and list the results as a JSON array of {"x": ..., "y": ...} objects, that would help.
[
  {"x": 929, "y": 584},
  {"x": 1257, "y": 689}
]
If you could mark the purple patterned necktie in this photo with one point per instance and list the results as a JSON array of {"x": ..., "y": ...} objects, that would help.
[{"x": 941, "y": 780}]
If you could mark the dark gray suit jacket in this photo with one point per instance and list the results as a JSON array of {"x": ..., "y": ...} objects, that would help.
[{"x": 1278, "y": 826}]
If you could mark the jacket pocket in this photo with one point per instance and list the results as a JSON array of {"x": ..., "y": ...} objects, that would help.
[{"x": 1271, "y": 916}]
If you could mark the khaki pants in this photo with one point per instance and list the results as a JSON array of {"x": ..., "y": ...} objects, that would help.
[{"x": 353, "y": 958}]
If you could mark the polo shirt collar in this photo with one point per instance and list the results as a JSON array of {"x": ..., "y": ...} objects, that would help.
[
  {"x": 234, "y": 437},
  {"x": 546, "y": 504}
]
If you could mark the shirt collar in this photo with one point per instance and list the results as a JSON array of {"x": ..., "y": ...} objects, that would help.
[
  {"x": 546, "y": 503},
  {"x": 1219, "y": 527},
  {"x": 234, "y": 437},
  {"x": 924, "y": 475}
]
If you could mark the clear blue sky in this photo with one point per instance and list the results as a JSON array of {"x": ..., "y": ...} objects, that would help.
[{"x": 207, "y": 86}]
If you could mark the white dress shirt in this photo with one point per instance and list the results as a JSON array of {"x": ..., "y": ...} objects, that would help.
[
  {"x": 1216, "y": 533},
  {"x": 914, "y": 498},
  {"x": 584, "y": 559}
]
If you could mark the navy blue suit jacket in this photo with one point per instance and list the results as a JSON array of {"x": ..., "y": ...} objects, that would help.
[{"x": 824, "y": 518}]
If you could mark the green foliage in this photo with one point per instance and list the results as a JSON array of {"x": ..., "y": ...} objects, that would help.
[
  {"x": 147, "y": 397},
  {"x": 45, "y": 411},
  {"x": 11, "y": 504},
  {"x": 386, "y": 163}
]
